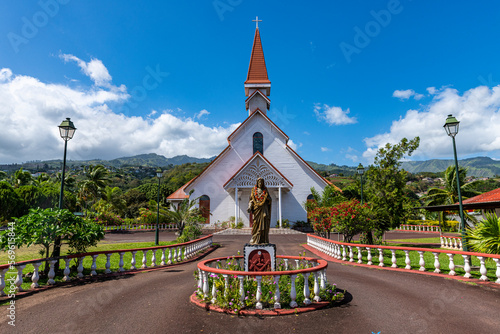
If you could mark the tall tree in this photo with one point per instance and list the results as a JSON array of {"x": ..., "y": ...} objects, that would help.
[
  {"x": 93, "y": 185},
  {"x": 385, "y": 185},
  {"x": 11, "y": 204},
  {"x": 449, "y": 194},
  {"x": 21, "y": 178}
]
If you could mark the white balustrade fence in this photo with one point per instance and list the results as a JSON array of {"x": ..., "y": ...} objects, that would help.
[
  {"x": 292, "y": 266},
  {"x": 418, "y": 228},
  {"x": 367, "y": 253},
  {"x": 88, "y": 263},
  {"x": 140, "y": 227},
  {"x": 451, "y": 242}
]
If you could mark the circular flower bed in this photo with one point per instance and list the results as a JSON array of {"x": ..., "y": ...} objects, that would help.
[{"x": 223, "y": 285}]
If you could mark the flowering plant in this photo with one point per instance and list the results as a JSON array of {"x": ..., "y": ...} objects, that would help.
[{"x": 227, "y": 289}]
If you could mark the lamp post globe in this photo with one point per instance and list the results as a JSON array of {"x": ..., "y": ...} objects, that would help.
[
  {"x": 451, "y": 127},
  {"x": 159, "y": 173},
  {"x": 361, "y": 170}
]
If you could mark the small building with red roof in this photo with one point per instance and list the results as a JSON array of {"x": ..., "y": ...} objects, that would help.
[{"x": 257, "y": 148}]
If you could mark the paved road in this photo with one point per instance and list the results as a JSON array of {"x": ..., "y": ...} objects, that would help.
[{"x": 157, "y": 302}]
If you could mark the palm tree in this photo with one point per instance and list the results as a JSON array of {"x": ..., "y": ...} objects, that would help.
[
  {"x": 184, "y": 214},
  {"x": 113, "y": 197},
  {"x": 485, "y": 238},
  {"x": 449, "y": 194},
  {"x": 92, "y": 187},
  {"x": 21, "y": 178},
  {"x": 69, "y": 181}
]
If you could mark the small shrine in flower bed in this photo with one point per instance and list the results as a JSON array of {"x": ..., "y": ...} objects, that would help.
[{"x": 298, "y": 284}]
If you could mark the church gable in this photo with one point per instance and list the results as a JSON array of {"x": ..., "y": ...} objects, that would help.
[
  {"x": 255, "y": 167},
  {"x": 254, "y": 121}
]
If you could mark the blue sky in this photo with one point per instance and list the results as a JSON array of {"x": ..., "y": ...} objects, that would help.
[{"x": 167, "y": 76}]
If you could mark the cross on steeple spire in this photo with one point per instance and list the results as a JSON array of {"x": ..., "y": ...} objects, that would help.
[{"x": 256, "y": 22}]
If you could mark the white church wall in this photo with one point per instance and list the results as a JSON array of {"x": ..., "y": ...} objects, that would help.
[{"x": 222, "y": 203}]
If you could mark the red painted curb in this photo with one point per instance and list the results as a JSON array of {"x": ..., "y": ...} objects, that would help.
[
  {"x": 266, "y": 313},
  {"x": 328, "y": 258}
]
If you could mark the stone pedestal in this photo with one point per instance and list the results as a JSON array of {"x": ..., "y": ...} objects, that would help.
[{"x": 259, "y": 257}]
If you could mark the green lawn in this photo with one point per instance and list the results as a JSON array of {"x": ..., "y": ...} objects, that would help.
[{"x": 417, "y": 240}]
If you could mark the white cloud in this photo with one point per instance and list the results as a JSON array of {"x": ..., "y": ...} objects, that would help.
[
  {"x": 352, "y": 157},
  {"x": 31, "y": 110},
  {"x": 432, "y": 90},
  {"x": 201, "y": 114},
  {"x": 294, "y": 146},
  {"x": 333, "y": 115},
  {"x": 406, "y": 94},
  {"x": 5, "y": 74},
  {"x": 94, "y": 69},
  {"x": 325, "y": 149},
  {"x": 477, "y": 109}
]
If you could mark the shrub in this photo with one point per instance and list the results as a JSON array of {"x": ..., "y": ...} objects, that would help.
[
  {"x": 149, "y": 217},
  {"x": 107, "y": 218},
  {"x": 285, "y": 223},
  {"x": 485, "y": 238},
  {"x": 190, "y": 232}
]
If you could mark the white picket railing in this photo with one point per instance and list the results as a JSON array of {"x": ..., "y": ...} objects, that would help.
[
  {"x": 346, "y": 252},
  {"x": 316, "y": 267},
  {"x": 418, "y": 228},
  {"x": 451, "y": 242},
  {"x": 139, "y": 227},
  {"x": 170, "y": 254}
]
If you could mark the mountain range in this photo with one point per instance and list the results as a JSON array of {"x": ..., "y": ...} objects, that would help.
[{"x": 478, "y": 167}]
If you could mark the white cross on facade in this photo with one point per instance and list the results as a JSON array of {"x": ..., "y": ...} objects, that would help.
[{"x": 257, "y": 22}]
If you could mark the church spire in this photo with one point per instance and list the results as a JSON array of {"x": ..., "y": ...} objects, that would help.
[{"x": 257, "y": 79}]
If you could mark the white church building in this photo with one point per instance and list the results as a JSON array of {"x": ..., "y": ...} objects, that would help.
[{"x": 257, "y": 148}]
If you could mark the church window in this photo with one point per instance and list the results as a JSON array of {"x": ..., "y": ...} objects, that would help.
[
  {"x": 258, "y": 143},
  {"x": 204, "y": 206}
]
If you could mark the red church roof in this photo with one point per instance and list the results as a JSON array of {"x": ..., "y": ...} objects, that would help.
[
  {"x": 257, "y": 72},
  {"x": 490, "y": 196},
  {"x": 179, "y": 194}
]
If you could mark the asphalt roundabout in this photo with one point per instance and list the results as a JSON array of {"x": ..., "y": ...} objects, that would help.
[{"x": 159, "y": 302}]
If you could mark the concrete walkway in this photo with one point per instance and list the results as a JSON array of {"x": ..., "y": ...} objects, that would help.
[{"x": 157, "y": 302}]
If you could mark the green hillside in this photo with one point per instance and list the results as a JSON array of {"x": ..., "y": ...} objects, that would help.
[{"x": 479, "y": 167}]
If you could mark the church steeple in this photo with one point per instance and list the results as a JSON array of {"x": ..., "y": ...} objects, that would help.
[{"x": 257, "y": 85}]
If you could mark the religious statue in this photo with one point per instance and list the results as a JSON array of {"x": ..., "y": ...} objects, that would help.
[{"x": 260, "y": 207}]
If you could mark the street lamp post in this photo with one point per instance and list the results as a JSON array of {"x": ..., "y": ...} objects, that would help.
[
  {"x": 66, "y": 130},
  {"x": 451, "y": 127},
  {"x": 158, "y": 175},
  {"x": 360, "y": 170}
]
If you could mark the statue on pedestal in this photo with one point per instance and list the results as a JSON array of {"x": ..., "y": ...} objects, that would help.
[{"x": 260, "y": 207}]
